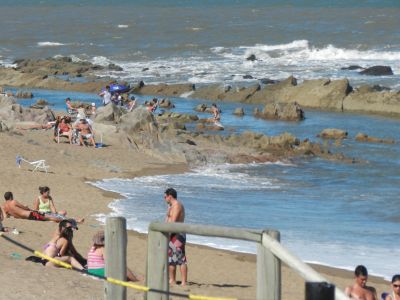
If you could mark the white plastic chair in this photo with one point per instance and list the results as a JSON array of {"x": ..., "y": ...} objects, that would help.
[{"x": 36, "y": 165}]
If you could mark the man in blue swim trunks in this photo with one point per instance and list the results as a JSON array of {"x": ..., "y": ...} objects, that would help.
[{"x": 176, "y": 249}]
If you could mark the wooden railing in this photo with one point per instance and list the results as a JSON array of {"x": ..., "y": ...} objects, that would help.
[{"x": 270, "y": 254}]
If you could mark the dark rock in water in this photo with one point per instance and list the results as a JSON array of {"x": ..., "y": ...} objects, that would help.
[
  {"x": 166, "y": 103},
  {"x": 377, "y": 71},
  {"x": 352, "y": 67},
  {"x": 145, "y": 69},
  {"x": 268, "y": 81},
  {"x": 248, "y": 77},
  {"x": 380, "y": 88},
  {"x": 21, "y": 94},
  {"x": 362, "y": 137},
  {"x": 333, "y": 133},
  {"x": 252, "y": 57},
  {"x": 115, "y": 67},
  {"x": 281, "y": 111}
]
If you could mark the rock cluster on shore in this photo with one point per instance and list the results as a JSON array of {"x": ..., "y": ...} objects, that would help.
[{"x": 323, "y": 94}]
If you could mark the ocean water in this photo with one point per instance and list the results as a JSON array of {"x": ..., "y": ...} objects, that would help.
[
  {"x": 209, "y": 41},
  {"x": 328, "y": 212}
]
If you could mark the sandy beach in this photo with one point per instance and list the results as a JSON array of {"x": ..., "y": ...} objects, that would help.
[{"x": 211, "y": 272}]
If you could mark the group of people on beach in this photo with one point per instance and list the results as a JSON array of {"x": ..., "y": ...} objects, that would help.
[
  {"x": 76, "y": 125},
  {"x": 61, "y": 248},
  {"x": 361, "y": 291}
]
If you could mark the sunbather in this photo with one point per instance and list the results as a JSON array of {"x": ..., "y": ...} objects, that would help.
[
  {"x": 19, "y": 211},
  {"x": 48, "y": 125},
  {"x": 63, "y": 128},
  {"x": 86, "y": 132},
  {"x": 45, "y": 204}
]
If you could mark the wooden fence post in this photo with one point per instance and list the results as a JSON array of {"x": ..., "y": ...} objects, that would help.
[
  {"x": 268, "y": 271},
  {"x": 157, "y": 264},
  {"x": 115, "y": 246}
]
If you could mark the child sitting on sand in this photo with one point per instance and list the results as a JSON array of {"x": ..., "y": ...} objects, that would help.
[{"x": 96, "y": 258}]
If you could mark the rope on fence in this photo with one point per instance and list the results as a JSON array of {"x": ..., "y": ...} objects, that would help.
[{"x": 109, "y": 279}]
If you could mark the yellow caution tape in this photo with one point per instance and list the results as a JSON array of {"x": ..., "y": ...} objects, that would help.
[
  {"x": 198, "y": 297},
  {"x": 53, "y": 260},
  {"x": 112, "y": 280},
  {"x": 128, "y": 284}
]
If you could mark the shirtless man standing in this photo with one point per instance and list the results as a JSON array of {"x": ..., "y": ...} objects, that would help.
[
  {"x": 176, "y": 250},
  {"x": 359, "y": 290}
]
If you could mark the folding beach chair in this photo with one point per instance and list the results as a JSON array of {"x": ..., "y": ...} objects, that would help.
[{"x": 36, "y": 165}]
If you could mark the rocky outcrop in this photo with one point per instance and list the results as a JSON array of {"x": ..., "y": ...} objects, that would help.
[
  {"x": 176, "y": 117},
  {"x": 279, "y": 111},
  {"x": 367, "y": 100},
  {"x": 210, "y": 92},
  {"x": 362, "y": 137},
  {"x": 12, "y": 113},
  {"x": 21, "y": 94},
  {"x": 352, "y": 67},
  {"x": 166, "y": 103},
  {"x": 110, "y": 113},
  {"x": 212, "y": 127},
  {"x": 321, "y": 93},
  {"x": 333, "y": 133},
  {"x": 163, "y": 89},
  {"x": 377, "y": 71}
]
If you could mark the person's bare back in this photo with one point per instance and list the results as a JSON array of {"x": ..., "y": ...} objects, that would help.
[{"x": 17, "y": 210}]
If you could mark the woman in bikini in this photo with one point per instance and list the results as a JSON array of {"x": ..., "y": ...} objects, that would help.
[{"x": 58, "y": 247}]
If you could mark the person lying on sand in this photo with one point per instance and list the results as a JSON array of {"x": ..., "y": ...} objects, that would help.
[
  {"x": 359, "y": 290},
  {"x": 19, "y": 211},
  {"x": 46, "y": 126}
]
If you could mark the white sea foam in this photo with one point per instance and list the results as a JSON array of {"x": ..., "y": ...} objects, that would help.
[
  {"x": 101, "y": 60},
  {"x": 229, "y": 65},
  {"x": 123, "y": 26},
  {"x": 50, "y": 44}
]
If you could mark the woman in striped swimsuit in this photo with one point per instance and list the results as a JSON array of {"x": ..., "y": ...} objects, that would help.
[{"x": 96, "y": 258}]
